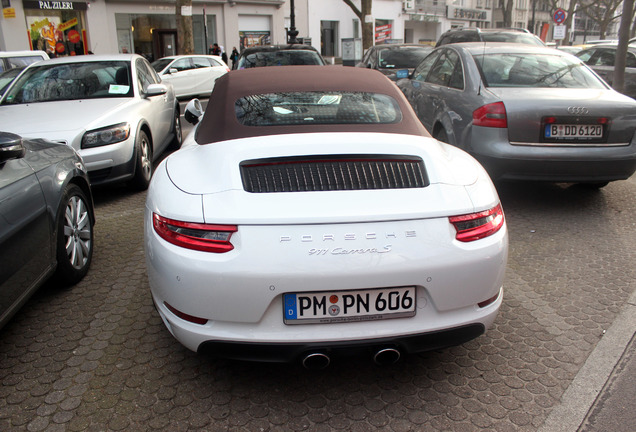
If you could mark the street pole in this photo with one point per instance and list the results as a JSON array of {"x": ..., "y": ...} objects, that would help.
[{"x": 292, "y": 32}]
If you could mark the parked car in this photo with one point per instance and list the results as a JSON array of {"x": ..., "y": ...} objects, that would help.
[
  {"x": 475, "y": 34},
  {"x": 7, "y": 78},
  {"x": 279, "y": 55},
  {"x": 390, "y": 58},
  {"x": 314, "y": 216},
  {"x": 20, "y": 59},
  {"x": 525, "y": 112},
  {"x": 46, "y": 218},
  {"x": 601, "y": 59},
  {"x": 191, "y": 75},
  {"x": 112, "y": 109},
  {"x": 570, "y": 49}
]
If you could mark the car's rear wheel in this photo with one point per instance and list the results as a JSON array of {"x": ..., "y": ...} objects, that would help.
[
  {"x": 143, "y": 167},
  {"x": 74, "y": 243},
  {"x": 178, "y": 132}
]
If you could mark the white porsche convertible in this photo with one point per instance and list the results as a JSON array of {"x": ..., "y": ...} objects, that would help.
[{"x": 312, "y": 215}]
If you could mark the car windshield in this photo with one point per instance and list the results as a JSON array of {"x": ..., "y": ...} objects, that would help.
[
  {"x": 159, "y": 65},
  {"x": 535, "y": 70},
  {"x": 304, "y": 108},
  {"x": 511, "y": 37},
  {"x": 280, "y": 58},
  {"x": 402, "y": 57},
  {"x": 71, "y": 81}
]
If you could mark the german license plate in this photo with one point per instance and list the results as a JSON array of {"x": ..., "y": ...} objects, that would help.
[
  {"x": 348, "y": 306},
  {"x": 573, "y": 131}
]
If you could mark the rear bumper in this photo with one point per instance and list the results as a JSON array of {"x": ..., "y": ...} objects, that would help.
[
  {"x": 573, "y": 170},
  {"x": 505, "y": 161},
  {"x": 289, "y": 352}
]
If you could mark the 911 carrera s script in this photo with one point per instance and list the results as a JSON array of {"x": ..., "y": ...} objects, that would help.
[{"x": 345, "y": 251}]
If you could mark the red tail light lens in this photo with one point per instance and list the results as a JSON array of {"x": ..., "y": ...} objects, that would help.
[
  {"x": 197, "y": 236},
  {"x": 491, "y": 115},
  {"x": 476, "y": 226}
]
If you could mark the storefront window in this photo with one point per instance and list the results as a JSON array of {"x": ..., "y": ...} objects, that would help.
[
  {"x": 383, "y": 31},
  {"x": 57, "y": 27},
  {"x": 254, "y": 38}
]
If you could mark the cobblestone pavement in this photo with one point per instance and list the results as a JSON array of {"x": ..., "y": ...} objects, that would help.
[{"x": 97, "y": 357}]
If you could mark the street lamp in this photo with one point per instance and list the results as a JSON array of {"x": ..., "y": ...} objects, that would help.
[{"x": 292, "y": 32}]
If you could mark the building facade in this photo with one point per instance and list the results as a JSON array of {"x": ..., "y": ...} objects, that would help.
[{"x": 149, "y": 27}]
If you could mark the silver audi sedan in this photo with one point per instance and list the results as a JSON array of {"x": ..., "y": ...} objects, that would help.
[{"x": 525, "y": 112}]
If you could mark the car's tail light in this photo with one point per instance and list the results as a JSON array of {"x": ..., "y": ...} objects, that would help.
[
  {"x": 475, "y": 226},
  {"x": 197, "y": 236},
  {"x": 491, "y": 115}
]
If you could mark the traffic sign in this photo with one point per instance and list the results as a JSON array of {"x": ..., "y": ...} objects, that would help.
[{"x": 559, "y": 16}]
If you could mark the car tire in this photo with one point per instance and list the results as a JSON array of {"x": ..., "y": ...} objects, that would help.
[
  {"x": 177, "y": 131},
  {"x": 74, "y": 242},
  {"x": 143, "y": 165}
]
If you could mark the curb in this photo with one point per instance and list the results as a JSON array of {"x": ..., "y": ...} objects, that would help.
[{"x": 590, "y": 381}]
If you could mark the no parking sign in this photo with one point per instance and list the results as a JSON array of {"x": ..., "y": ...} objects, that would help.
[{"x": 559, "y": 16}]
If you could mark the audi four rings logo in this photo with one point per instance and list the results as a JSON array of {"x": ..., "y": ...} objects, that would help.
[{"x": 578, "y": 110}]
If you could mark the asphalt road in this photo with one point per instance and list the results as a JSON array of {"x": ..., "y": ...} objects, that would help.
[{"x": 97, "y": 357}]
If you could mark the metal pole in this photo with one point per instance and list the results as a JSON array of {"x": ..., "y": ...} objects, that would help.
[{"x": 292, "y": 32}]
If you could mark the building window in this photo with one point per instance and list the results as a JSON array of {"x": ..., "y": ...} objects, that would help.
[{"x": 59, "y": 32}]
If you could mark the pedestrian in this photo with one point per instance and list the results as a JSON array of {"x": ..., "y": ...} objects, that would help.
[
  {"x": 234, "y": 56},
  {"x": 215, "y": 49},
  {"x": 223, "y": 54}
]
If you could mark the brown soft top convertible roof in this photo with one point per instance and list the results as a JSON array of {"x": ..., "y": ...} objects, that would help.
[{"x": 220, "y": 123}]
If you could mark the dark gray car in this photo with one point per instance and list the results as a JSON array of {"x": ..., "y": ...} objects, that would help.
[
  {"x": 390, "y": 58},
  {"x": 525, "y": 112},
  {"x": 46, "y": 218},
  {"x": 601, "y": 59},
  {"x": 279, "y": 55}
]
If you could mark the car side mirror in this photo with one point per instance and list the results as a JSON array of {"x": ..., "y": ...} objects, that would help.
[
  {"x": 402, "y": 73},
  {"x": 11, "y": 146},
  {"x": 172, "y": 71},
  {"x": 156, "y": 90},
  {"x": 193, "y": 111}
]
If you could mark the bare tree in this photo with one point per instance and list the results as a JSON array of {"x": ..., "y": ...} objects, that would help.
[
  {"x": 362, "y": 13},
  {"x": 603, "y": 13},
  {"x": 506, "y": 8},
  {"x": 185, "y": 40}
]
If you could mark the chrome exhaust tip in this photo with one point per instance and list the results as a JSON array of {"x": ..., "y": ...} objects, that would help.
[
  {"x": 316, "y": 361},
  {"x": 386, "y": 356}
]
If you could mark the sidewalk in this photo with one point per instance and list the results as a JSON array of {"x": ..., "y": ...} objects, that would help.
[{"x": 602, "y": 396}]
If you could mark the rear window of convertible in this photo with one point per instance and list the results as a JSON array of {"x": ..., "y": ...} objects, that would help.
[{"x": 302, "y": 108}]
